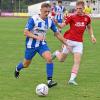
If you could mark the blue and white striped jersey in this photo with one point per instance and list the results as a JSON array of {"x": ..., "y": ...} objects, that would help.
[
  {"x": 38, "y": 27},
  {"x": 59, "y": 13}
]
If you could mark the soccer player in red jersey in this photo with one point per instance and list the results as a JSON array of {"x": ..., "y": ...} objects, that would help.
[{"x": 74, "y": 37}]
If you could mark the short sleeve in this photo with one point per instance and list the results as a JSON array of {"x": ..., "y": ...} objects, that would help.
[
  {"x": 89, "y": 20},
  {"x": 30, "y": 24},
  {"x": 54, "y": 27},
  {"x": 68, "y": 19}
]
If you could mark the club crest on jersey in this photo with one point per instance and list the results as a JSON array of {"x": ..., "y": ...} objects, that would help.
[{"x": 85, "y": 19}]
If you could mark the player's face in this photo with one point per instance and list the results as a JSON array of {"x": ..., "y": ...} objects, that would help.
[
  {"x": 45, "y": 11},
  {"x": 79, "y": 9},
  {"x": 60, "y": 4}
]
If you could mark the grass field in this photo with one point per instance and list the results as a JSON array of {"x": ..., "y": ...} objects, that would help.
[{"x": 12, "y": 52}]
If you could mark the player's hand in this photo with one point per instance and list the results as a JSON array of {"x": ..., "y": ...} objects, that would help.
[
  {"x": 55, "y": 21},
  {"x": 40, "y": 38},
  {"x": 93, "y": 39}
]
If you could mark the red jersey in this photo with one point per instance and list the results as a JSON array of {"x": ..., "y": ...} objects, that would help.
[
  {"x": 78, "y": 25},
  {"x": 53, "y": 11}
]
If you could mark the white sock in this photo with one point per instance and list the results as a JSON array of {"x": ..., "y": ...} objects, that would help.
[
  {"x": 17, "y": 69},
  {"x": 73, "y": 76},
  {"x": 57, "y": 52}
]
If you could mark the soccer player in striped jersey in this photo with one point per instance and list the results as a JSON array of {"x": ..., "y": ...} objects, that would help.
[
  {"x": 35, "y": 32},
  {"x": 74, "y": 37},
  {"x": 59, "y": 12}
]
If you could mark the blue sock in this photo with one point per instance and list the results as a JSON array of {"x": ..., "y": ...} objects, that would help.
[
  {"x": 49, "y": 70},
  {"x": 20, "y": 66}
]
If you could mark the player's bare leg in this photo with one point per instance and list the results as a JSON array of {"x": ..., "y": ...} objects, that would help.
[
  {"x": 60, "y": 55},
  {"x": 20, "y": 66},
  {"x": 47, "y": 56},
  {"x": 75, "y": 68}
]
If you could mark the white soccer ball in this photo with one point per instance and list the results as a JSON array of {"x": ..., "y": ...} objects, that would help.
[{"x": 42, "y": 90}]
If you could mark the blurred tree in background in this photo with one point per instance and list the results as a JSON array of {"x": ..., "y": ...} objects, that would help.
[{"x": 17, "y": 5}]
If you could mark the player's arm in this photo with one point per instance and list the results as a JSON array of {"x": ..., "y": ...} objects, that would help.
[
  {"x": 64, "y": 10},
  {"x": 66, "y": 21},
  {"x": 28, "y": 28},
  {"x": 62, "y": 25},
  {"x": 60, "y": 37},
  {"x": 57, "y": 33},
  {"x": 90, "y": 31},
  {"x": 31, "y": 35}
]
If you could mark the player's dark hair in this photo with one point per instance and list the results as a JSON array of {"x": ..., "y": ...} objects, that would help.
[
  {"x": 80, "y": 3},
  {"x": 45, "y": 5},
  {"x": 59, "y": 1}
]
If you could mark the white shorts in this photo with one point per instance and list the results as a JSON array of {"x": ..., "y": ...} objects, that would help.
[{"x": 73, "y": 47}]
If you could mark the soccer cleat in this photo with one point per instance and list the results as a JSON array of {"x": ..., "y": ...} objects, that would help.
[
  {"x": 51, "y": 83},
  {"x": 16, "y": 73},
  {"x": 72, "y": 82}
]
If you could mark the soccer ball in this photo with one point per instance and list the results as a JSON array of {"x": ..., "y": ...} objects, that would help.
[{"x": 42, "y": 90}]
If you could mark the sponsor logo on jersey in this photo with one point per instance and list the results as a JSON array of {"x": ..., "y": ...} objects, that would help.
[{"x": 80, "y": 24}]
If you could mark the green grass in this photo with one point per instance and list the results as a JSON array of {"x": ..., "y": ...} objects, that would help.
[{"x": 12, "y": 49}]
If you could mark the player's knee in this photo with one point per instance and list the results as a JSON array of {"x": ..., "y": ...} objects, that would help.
[
  {"x": 76, "y": 63},
  {"x": 61, "y": 60},
  {"x": 26, "y": 65},
  {"x": 49, "y": 60}
]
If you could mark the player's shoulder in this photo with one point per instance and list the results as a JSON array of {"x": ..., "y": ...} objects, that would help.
[
  {"x": 57, "y": 6},
  {"x": 63, "y": 6},
  {"x": 71, "y": 15},
  {"x": 49, "y": 18},
  {"x": 34, "y": 17},
  {"x": 87, "y": 15}
]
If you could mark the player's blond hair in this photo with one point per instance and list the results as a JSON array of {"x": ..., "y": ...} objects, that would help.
[
  {"x": 45, "y": 5},
  {"x": 80, "y": 2}
]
